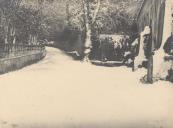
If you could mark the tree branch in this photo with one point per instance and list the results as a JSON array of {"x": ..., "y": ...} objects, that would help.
[{"x": 96, "y": 11}]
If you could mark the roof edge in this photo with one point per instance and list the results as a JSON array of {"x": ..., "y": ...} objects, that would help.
[{"x": 142, "y": 5}]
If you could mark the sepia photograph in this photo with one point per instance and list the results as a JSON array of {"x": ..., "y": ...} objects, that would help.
[{"x": 86, "y": 63}]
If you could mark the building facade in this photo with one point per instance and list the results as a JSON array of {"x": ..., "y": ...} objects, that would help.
[
  {"x": 152, "y": 13},
  {"x": 157, "y": 14}
]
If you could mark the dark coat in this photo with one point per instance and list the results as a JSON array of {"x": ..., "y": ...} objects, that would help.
[{"x": 169, "y": 45}]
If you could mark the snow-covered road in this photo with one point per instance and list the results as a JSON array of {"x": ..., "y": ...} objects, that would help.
[{"x": 59, "y": 91}]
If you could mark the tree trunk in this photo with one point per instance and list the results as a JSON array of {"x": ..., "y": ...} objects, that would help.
[
  {"x": 68, "y": 12},
  {"x": 88, "y": 24},
  {"x": 6, "y": 27},
  {"x": 13, "y": 34},
  {"x": 87, "y": 43},
  {"x": 30, "y": 39},
  {"x": 96, "y": 11}
]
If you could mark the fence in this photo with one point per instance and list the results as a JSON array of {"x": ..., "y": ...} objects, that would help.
[
  {"x": 8, "y": 50},
  {"x": 13, "y": 57}
]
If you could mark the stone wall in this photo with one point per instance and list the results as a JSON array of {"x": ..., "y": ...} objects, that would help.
[{"x": 17, "y": 62}]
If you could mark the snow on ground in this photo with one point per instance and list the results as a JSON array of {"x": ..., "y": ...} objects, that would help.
[{"x": 59, "y": 91}]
